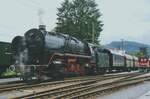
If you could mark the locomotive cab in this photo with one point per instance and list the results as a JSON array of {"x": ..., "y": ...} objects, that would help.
[{"x": 94, "y": 58}]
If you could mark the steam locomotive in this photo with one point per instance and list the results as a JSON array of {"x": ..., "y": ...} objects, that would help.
[{"x": 42, "y": 54}]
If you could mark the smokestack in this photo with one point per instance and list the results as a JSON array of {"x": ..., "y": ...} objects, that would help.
[{"x": 42, "y": 27}]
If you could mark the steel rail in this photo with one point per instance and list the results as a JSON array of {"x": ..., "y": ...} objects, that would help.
[{"x": 64, "y": 89}]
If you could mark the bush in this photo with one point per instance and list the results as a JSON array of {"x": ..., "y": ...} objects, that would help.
[{"x": 9, "y": 73}]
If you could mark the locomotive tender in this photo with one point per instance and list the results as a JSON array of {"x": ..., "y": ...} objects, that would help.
[{"x": 46, "y": 54}]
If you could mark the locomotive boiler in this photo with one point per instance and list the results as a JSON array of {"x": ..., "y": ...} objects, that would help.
[{"x": 51, "y": 54}]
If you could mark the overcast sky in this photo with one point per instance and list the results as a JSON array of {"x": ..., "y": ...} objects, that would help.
[{"x": 122, "y": 19}]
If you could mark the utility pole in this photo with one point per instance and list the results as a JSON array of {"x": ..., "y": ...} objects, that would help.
[{"x": 122, "y": 44}]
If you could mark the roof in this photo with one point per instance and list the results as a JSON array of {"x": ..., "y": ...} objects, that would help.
[
  {"x": 117, "y": 52},
  {"x": 128, "y": 56},
  {"x": 1, "y": 42},
  {"x": 4, "y": 44},
  {"x": 135, "y": 58}
]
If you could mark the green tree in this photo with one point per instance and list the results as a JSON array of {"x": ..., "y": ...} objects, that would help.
[
  {"x": 80, "y": 18},
  {"x": 137, "y": 54},
  {"x": 144, "y": 51}
]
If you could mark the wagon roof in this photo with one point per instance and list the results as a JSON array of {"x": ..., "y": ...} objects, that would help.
[
  {"x": 116, "y": 52},
  {"x": 128, "y": 56},
  {"x": 135, "y": 58}
]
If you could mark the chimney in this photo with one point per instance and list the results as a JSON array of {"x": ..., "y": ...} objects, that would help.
[{"x": 42, "y": 27}]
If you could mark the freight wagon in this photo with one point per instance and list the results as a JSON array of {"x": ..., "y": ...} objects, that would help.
[{"x": 5, "y": 56}]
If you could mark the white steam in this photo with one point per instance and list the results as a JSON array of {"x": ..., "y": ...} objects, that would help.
[{"x": 22, "y": 58}]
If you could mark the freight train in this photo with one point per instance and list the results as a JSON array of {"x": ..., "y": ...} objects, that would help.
[
  {"x": 5, "y": 56},
  {"x": 42, "y": 54}
]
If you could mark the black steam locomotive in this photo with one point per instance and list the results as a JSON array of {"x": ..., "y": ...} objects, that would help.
[{"x": 41, "y": 54}]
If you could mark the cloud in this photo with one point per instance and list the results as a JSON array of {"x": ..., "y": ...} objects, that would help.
[
  {"x": 18, "y": 16},
  {"x": 124, "y": 19}
]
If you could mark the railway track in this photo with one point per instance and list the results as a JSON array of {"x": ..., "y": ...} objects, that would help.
[
  {"x": 20, "y": 82},
  {"x": 97, "y": 90},
  {"x": 70, "y": 88},
  {"x": 20, "y": 85}
]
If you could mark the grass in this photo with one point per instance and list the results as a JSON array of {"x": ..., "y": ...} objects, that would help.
[{"x": 9, "y": 73}]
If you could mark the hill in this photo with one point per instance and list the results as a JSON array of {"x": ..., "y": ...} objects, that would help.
[{"x": 129, "y": 46}]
